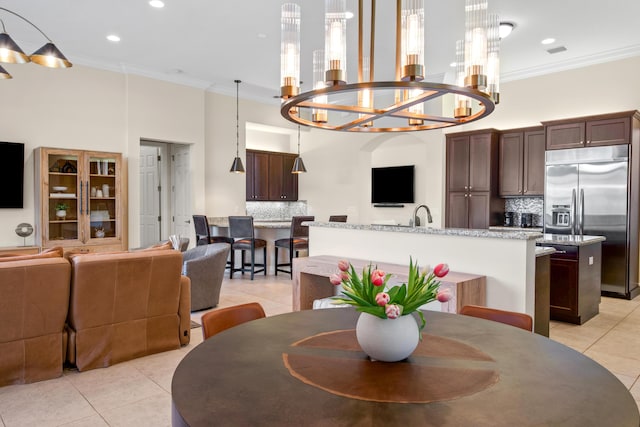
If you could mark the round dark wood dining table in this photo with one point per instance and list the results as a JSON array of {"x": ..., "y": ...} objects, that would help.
[{"x": 306, "y": 369}]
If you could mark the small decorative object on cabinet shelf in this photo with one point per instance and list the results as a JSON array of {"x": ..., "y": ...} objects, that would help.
[
  {"x": 61, "y": 210},
  {"x": 68, "y": 167},
  {"x": 385, "y": 330},
  {"x": 99, "y": 233}
]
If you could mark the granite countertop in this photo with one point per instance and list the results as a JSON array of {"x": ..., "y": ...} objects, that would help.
[
  {"x": 503, "y": 228},
  {"x": 516, "y": 235},
  {"x": 568, "y": 240},
  {"x": 223, "y": 221}
]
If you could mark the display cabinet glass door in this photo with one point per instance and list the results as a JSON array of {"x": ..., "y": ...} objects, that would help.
[
  {"x": 63, "y": 189},
  {"x": 101, "y": 201}
]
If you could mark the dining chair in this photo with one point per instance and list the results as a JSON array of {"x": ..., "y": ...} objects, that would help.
[
  {"x": 243, "y": 234},
  {"x": 337, "y": 218},
  {"x": 519, "y": 320},
  {"x": 298, "y": 240},
  {"x": 221, "y": 319}
]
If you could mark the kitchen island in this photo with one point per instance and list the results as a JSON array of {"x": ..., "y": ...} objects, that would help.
[
  {"x": 575, "y": 272},
  {"x": 507, "y": 259}
]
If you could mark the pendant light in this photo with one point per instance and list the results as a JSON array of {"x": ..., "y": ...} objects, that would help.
[
  {"x": 298, "y": 164},
  {"x": 237, "y": 166},
  {"x": 48, "y": 55}
]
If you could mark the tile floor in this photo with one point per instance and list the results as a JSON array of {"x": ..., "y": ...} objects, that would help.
[{"x": 138, "y": 392}]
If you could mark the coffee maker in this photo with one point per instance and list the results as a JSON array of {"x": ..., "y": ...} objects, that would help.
[
  {"x": 509, "y": 219},
  {"x": 526, "y": 220}
]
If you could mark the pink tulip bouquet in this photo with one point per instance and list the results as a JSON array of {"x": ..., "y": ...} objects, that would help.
[{"x": 369, "y": 294}]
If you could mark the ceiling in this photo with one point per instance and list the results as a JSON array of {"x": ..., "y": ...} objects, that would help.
[{"x": 209, "y": 44}]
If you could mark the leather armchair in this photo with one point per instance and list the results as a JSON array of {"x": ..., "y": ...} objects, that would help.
[
  {"x": 34, "y": 299},
  {"x": 126, "y": 305},
  {"x": 205, "y": 266}
]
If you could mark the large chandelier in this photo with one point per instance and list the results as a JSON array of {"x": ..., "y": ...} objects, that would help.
[{"x": 403, "y": 104}]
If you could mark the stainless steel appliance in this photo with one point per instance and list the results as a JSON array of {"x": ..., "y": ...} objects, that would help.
[{"x": 586, "y": 193}]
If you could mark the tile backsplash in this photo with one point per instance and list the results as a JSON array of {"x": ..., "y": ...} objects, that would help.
[
  {"x": 276, "y": 211},
  {"x": 520, "y": 205}
]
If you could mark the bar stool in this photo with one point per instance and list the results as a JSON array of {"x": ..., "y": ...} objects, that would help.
[
  {"x": 241, "y": 228},
  {"x": 338, "y": 218},
  {"x": 298, "y": 240},
  {"x": 203, "y": 234}
]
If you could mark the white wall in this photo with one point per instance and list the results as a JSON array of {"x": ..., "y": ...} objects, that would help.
[
  {"x": 100, "y": 110},
  {"x": 84, "y": 108}
]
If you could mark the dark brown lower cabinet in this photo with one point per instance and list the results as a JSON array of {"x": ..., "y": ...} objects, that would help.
[{"x": 575, "y": 282}]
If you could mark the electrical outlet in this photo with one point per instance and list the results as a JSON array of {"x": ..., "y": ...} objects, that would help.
[{"x": 590, "y": 260}]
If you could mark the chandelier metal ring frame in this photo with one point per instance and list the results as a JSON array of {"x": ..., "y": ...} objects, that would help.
[{"x": 291, "y": 109}]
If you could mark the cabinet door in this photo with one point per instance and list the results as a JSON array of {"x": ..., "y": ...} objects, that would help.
[
  {"x": 480, "y": 162},
  {"x": 479, "y": 210},
  {"x": 276, "y": 176},
  {"x": 511, "y": 162},
  {"x": 458, "y": 163},
  {"x": 60, "y": 201},
  {"x": 260, "y": 176},
  {"x": 564, "y": 288},
  {"x": 608, "y": 132},
  {"x": 457, "y": 210},
  {"x": 568, "y": 135},
  {"x": 534, "y": 147},
  {"x": 103, "y": 210},
  {"x": 289, "y": 180},
  {"x": 250, "y": 176}
]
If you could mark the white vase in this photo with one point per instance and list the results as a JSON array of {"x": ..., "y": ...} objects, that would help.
[
  {"x": 387, "y": 340},
  {"x": 62, "y": 214}
]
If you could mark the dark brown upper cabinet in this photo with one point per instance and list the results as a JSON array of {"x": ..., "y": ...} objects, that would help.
[
  {"x": 269, "y": 176},
  {"x": 606, "y": 129},
  {"x": 522, "y": 162}
]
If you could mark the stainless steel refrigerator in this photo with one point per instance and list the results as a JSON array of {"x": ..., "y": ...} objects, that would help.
[{"x": 586, "y": 193}]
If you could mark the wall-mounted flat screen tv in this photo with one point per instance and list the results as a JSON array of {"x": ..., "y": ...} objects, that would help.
[
  {"x": 12, "y": 174},
  {"x": 393, "y": 184}
]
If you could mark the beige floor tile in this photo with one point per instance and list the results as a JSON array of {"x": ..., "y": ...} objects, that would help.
[
  {"x": 115, "y": 386},
  {"x": 153, "y": 411},
  {"x": 94, "y": 421},
  {"x": 160, "y": 367},
  {"x": 620, "y": 342},
  {"x": 46, "y": 403}
]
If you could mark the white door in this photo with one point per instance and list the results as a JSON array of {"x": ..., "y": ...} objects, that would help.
[
  {"x": 181, "y": 192},
  {"x": 149, "y": 195}
]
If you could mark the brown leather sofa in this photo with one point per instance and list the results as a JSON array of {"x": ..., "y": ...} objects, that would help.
[
  {"x": 126, "y": 305},
  {"x": 34, "y": 301}
]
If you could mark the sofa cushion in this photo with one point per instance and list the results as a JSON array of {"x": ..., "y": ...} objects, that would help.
[{"x": 55, "y": 252}]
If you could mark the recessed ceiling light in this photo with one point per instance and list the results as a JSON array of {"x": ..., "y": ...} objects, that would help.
[
  {"x": 262, "y": 36},
  {"x": 548, "y": 41},
  {"x": 348, "y": 15},
  {"x": 453, "y": 64},
  {"x": 113, "y": 38},
  {"x": 156, "y": 3},
  {"x": 505, "y": 29}
]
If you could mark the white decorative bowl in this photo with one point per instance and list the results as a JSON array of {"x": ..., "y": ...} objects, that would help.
[{"x": 59, "y": 189}]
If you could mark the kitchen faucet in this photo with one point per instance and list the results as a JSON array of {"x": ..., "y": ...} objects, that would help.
[{"x": 416, "y": 219}]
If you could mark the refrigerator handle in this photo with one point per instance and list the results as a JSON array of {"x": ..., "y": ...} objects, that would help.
[
  {"x": 574, "y": 212},
  {"x": 581, "y": 223}
]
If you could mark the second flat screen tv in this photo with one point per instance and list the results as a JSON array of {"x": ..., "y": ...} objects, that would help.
[{"x": 392, "y": 185}]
